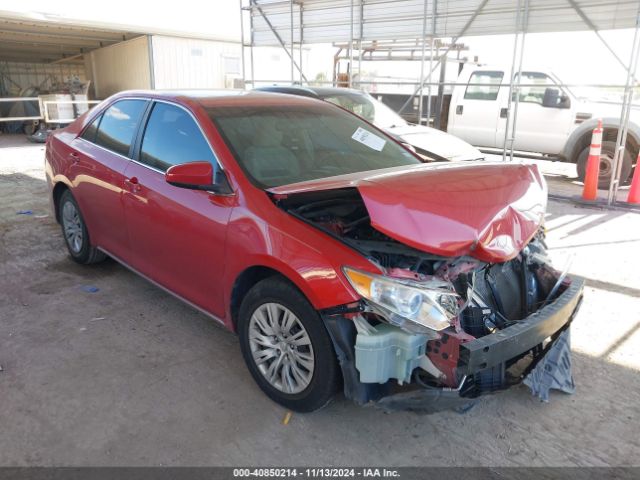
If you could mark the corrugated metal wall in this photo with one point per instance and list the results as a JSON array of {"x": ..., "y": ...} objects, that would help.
[
  {"x": 123, "y": 66},
  {"x": 193, "y": 63},
  {"x": 17, "y": 76},
  {"x": 327, "y": 21}
]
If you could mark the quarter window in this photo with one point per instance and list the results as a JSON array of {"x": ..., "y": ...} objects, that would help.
[
  {"x": 172, "y": 137},
  {"x": 119, "y": 124},
  {"x": 483, "y": 92},
  {"x": 89, "y": 133}
]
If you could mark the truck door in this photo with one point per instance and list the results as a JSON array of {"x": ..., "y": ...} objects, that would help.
[
  {"x": 538, "y": 129},
  {"x": 475, "y": 109}
]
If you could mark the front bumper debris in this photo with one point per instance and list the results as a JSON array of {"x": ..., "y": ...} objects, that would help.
[
  {"x": 540, "y": 342},
  {"x": 491, "y": 350}
]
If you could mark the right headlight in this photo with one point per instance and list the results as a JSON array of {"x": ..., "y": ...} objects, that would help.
[{"x": 405, "y": 303}]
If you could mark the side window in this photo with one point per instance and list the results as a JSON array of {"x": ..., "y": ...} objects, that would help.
[
  {"x": 484, "y": 92},
  {"x": 89, "y": 133},
  {"x": 173, "y": 137},
  {"x": 534, "y": 94},
  {"x": 119, "y": 124}
]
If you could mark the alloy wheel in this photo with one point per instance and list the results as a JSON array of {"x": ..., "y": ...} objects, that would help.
[
  {"x": 281, "y": 348},
  {"x": 72, "y": 225}
]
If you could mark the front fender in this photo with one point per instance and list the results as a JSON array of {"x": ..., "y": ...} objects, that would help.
[{"x": 306, "y": 256}]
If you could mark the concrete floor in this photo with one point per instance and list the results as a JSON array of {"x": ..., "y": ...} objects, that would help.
[{"x": 130, "y": 376}]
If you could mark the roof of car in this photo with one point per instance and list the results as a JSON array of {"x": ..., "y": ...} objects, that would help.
[
  {"x": 213, "y": 98},
  {"x": 321, "y": 92}
]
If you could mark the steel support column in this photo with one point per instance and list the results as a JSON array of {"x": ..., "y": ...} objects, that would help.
[
  {"x": 434, "y": 14},
  {"x": 293, "y": 80},
  {"x": 301, "y": 39},
  {"x": 515, "y": 79},
  {"x": 623, "y": 128},
  {"x": 242, "y": 42},
  {"x": 424, "y": 40},
  {"x": 361, "y": 22},
  {"x": 350, "y": 81}
]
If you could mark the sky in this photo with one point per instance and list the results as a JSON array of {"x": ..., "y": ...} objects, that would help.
[{"x": 577, "y": 57}]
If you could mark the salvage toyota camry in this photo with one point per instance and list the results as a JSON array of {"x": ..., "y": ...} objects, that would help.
[{"x": 339, "y": 258}]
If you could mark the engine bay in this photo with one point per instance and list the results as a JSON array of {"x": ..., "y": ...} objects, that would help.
[{"x": 491, "y": 297}]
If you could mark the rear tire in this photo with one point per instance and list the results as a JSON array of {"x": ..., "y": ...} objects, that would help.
[
  {"x": 606, "y": 165},
  {"x": 286, "y": 346},
  {"x": 75, "y": 233}
]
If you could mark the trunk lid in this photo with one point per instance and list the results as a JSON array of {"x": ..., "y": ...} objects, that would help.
[{"x": 489, "y": 211}]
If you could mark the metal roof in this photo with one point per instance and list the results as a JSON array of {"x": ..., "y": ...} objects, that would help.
[
  {"x": 27, "y": 40},
  {"x": 327, "y": 21},
  {"x": 48, "y": 38}
]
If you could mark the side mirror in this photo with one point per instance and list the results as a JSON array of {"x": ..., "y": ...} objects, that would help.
[
  {"x": 553, "y": 98},
  {"x": 197, "y": 176}
]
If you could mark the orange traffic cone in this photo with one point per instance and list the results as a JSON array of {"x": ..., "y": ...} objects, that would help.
[
  {"x": 634, "y": 191},
  {"x": 590, "y": 191}
]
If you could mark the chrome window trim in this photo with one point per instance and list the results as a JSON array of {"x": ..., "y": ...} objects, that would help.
[
  {"x": 101, "y": 147},
  {"x": 195, "y": 120},
  {"x": 168, "y": 102},
  {"x": 101, "y": 112}
]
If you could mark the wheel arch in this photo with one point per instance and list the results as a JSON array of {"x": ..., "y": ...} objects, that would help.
[
  {"x": 58, "y": 189},
  {"x": 580, "y": 138},
  {"x": 247, "y": 279}
]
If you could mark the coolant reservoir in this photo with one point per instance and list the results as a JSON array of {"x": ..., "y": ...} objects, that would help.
[{"x": 388, "y": 353}]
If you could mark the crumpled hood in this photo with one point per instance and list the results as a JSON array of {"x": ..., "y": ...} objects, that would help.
[
  {"x": 488, "y": 211},
  {"x": 437, "y": 142}
]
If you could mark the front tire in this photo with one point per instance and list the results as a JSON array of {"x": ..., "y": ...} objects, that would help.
[
  {"x": 286, "y": 346},
  {"x": 606, "y": 165},
  {"x": 75, "y": 233}
]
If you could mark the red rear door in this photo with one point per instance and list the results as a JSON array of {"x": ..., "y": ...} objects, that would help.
[
  {"x": 177, "y": 235},
  {"x": 96, "y": 168}
]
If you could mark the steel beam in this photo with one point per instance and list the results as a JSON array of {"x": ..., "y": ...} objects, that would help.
[
  {"x": 278, "y": 37},
  {"x": 594, "y": 28},
  {"x": 453, "y": 41}
]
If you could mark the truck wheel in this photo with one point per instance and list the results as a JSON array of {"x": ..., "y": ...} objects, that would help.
[
  {"x": 286, "y": 346},
  {"x": 606, "y": 165}
]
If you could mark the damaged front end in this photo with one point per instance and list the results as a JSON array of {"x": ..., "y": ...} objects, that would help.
[{"x": 432, "y": 332}]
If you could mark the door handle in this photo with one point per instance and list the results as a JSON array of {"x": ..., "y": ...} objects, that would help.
[
  {"x": 459, "y": 109},
  {"x": 132, "y": 184},
  {"x": 75, "y": 158},
  {"x": 503, "y": 113}
]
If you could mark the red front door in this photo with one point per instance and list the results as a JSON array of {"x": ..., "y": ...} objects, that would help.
[{"x": 177, "y": 235}]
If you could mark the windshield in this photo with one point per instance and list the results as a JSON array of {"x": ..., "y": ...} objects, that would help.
[
  {"x": 280, "y": 145},
  {"x": 368, "y": 108}
]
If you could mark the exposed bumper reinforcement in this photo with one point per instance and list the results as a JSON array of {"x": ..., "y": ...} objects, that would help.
[
  {"x": 490, "y": 350},
  {"x": 475, "y": 356}
]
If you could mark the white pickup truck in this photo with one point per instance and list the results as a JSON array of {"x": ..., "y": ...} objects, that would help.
[{"x": 551, "y": 119}]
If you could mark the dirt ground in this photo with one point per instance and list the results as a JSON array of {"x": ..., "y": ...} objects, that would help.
[{"x": 128, "y": 375}]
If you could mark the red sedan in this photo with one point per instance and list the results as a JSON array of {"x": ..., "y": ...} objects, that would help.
[{"x": 338, "y": 257}]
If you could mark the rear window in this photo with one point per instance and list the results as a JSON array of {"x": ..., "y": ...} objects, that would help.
[
  {"x": 488, "y": 91},
  {"x": 119, "y": 124},
  {"x": 280, "y": 145}
]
